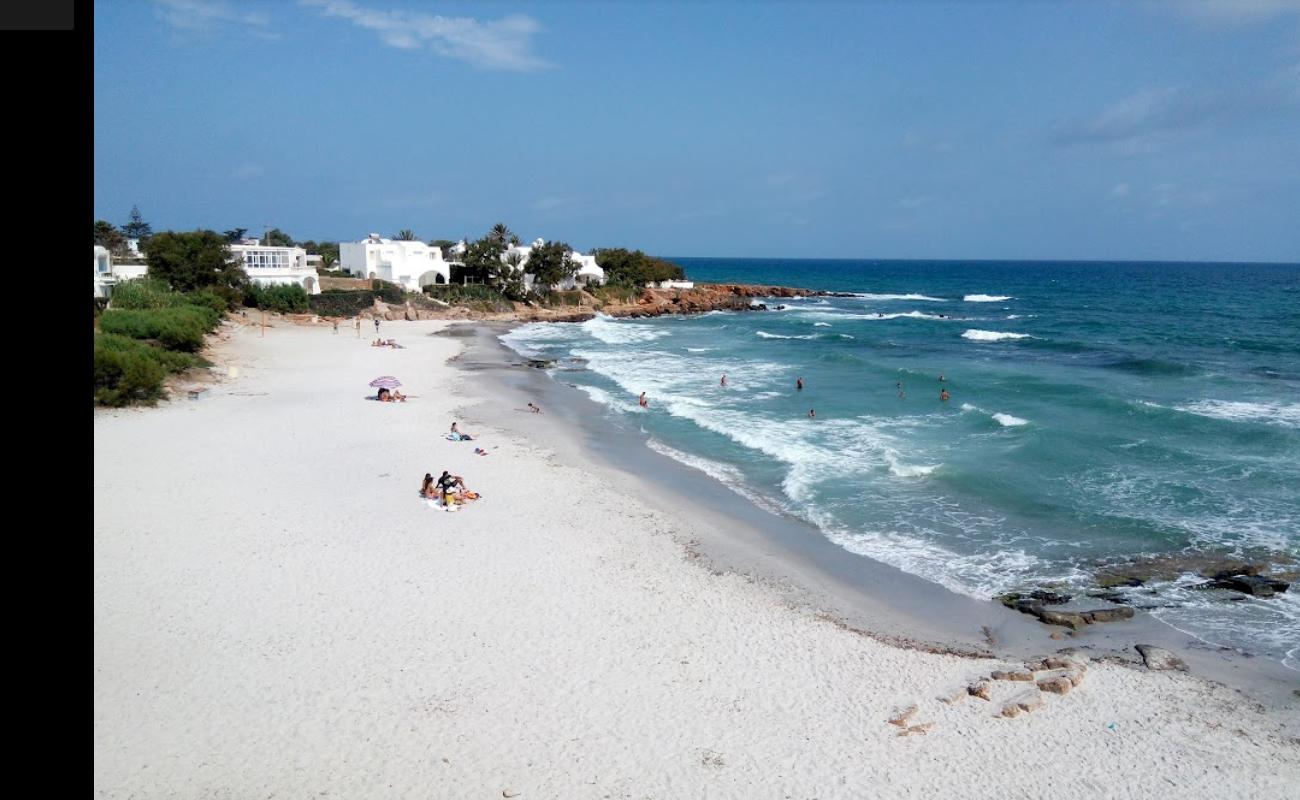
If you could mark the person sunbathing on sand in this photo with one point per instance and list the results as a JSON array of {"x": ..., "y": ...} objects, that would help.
[
  {"x": 464, "y": 437},
  {"x": 534, "y": 408},
  {"x": 428, "y": 489}
]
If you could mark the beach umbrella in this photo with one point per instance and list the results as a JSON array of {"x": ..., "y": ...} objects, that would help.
[{"x": 386, "y": 382}]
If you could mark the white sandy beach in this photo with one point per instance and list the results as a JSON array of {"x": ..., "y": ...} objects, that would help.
[{"x": 277, "y": 614}]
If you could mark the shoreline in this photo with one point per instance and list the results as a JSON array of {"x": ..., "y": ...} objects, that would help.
[
  {"x": 793, "y": 556},
  {"x": 277, "y": 613}
]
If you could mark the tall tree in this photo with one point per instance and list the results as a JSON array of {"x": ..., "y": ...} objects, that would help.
[
  {"x": 482, "y": 259},
  {"x": 549, "y": 264},
  {"x": 108, "y": 236},
  {"x": 278, "y": 238},
  {"x": 136, "y": 228},
  {"x": 234, "y": 235},
  {"x": 405, "y": 235},
  {"x": 194, "y": 260}
]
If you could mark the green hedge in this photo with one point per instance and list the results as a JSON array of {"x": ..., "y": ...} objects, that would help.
[
  {"x": 286, "y": 299},
  {"x": 179, "y": 328},
  {"x": 388, "y": 292},
  {"x": 339, "y": 303},
  {"x": 130, "y": 371}
]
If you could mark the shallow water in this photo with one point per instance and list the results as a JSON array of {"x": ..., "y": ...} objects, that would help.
[{"x": 1097, "y": 411}]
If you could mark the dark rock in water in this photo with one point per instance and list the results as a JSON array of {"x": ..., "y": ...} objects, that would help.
[
  {"x": 1018, "y": 600},
  {"x": 540, "y": 363},
  {"x": 780, "y": 308},
  {"x": 1170, "y": 567},
  {"x": 1111, "y": 597},
  {"x": 1159, "y": 658},
  {"x": 1108, "y": 614},
  {"x": 1256, "y": 585},
  {"x": 1244, "y": 568}
]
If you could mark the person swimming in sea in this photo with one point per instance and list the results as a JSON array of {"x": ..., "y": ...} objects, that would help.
[
  {"x": 798, "y": 384},
  {"x": 812, "y": 413},
  {"x": 943, "y": 394}
]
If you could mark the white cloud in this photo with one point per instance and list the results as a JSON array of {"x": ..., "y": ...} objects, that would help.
[
  {"x": 206, "y": 16},
  {"x": 1120, "y": 190},
  {"x": 504, "y": 44}
]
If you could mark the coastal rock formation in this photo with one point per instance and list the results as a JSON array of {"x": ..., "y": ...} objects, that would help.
[
  {"x": 922, "y": 728},
  {"x": 1256, "y": 585},
  {"x": 1108, "y": 614},
  {"x": 1058, "y": 684},
  {"x": 1170, "y": 567},
  {"x": 1012, "y": 675},
  {"x": 1074, "y": 620},
  {"x": 1023, "y": 703},
  {"x": 1159, "y": 658},
  {"x": 981, "y": 689}
]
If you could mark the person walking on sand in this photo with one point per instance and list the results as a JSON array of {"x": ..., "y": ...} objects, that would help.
[
  {"x": 376, "y": 324},
  {"x": 643, "y": 402},
  {"x": 358, "y": 320},
  {"x": 336, "y": 327},
  {"x": 798, "y": 384}
]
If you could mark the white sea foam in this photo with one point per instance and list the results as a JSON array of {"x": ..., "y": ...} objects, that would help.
[
  {"x": 1005, "y": 420},
  {"x": 611, "y": 331},
  {"x": 604, "y": 398},
  {"x": 902, "y": 470},
  {"x": 766, "y": 335},
  {"x": 923, "y": 297},
  {"x": 1008, "y": 421},
  {"x": 725, "y": 474},
  {"x": 699, "y": 349},
  {"x": 821, "y": 324},
  {"x": 526, "y": 339},
  {"x": 986, "y": 298},
  {"x": 1286, "y": 415},
  {"x": 977, "y": 335}
]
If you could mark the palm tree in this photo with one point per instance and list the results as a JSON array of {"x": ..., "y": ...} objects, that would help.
[
  {"x": 501, "y": 233},
  {"x": 405, "y": 235}
]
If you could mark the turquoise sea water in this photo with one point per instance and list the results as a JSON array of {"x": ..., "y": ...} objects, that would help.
[{"x": 1098, "y": 411}]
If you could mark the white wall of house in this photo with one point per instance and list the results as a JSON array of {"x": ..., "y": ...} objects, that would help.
[
  {"x": 671, "y": 285},
  {"x": 276, "y": 266},
  {"x": 108, "y": 274},
  {"x": 412, "y": 265}
]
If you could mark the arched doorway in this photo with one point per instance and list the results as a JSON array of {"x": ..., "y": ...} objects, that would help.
[{"x": 309, "y": 283}]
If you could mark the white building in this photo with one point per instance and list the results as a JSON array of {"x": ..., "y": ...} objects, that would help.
[
  {"x": 589, "y": 272},
  {"x": 410, "y": 264},
  {"x": 276, "y": 266},
  {"x": 108, "y": 274},
  {"x": 671, "y": 285}
]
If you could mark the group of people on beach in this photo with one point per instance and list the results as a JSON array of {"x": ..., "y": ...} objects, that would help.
[
  {"x": 390, "y": 396},
  {"x": 448, "y": 489},
  {"x": 387, "y": 343}
]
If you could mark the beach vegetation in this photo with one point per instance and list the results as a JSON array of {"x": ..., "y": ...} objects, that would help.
[
  {"x": 388, "y": 292},
  {"x": 283, "y": 299},
  {"x": 235, "y": 235},
  {"x": 176, "y": 328},
  {"x": 194, "y": 260},
  {"x": 616, "y": 293},
  {"x": 444, "y": 244},
  {"x": 340, "y": 302},
  {"x": 482, "y": 260},
  {"x": 405, "y": 235},
  {"x": 129, "y": 371},
  {"x": 634, "y": 268}
]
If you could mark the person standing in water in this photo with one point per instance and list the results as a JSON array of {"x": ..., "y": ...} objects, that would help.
[
  {"x": 943, "y": 394},
  {"x": 812, "y": 413},
  {"x": 723, "y": 382},
  {"x": 798, "y": 384},
  {"x": 901, "y": 393},
  {"x": 642, "y": 401}
]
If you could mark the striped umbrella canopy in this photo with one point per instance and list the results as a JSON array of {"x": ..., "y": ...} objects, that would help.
[{"x": 386, "y": 382}]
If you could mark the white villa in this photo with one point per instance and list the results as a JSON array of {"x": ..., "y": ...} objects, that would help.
[
  {"x": 277, "y": 266},
  {"x": 411, "y": 264},
  {"x": 108, "y": 274},
  {"x": 589, "y": 272}
]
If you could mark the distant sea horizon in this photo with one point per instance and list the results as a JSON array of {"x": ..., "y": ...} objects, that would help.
[{"x": 1100, "y": 412}]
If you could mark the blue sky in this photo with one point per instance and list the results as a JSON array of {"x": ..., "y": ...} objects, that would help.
[{"x": 1090, "y": 130}]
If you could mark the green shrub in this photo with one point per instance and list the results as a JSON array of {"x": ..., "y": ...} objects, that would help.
[
  {"x": 388, "y": 292},
  {"x": 286, "y": 299},
  {"x": 127, "y": 371},
  {"x": 179, "y": 328},
  {"x": 207, "y": 298},
  {"x": 569, "y": 298},
  {"x": 100, "y": 304},
  {"x": 145, "y": 293},
  {"x": 340, "y": 303}
]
